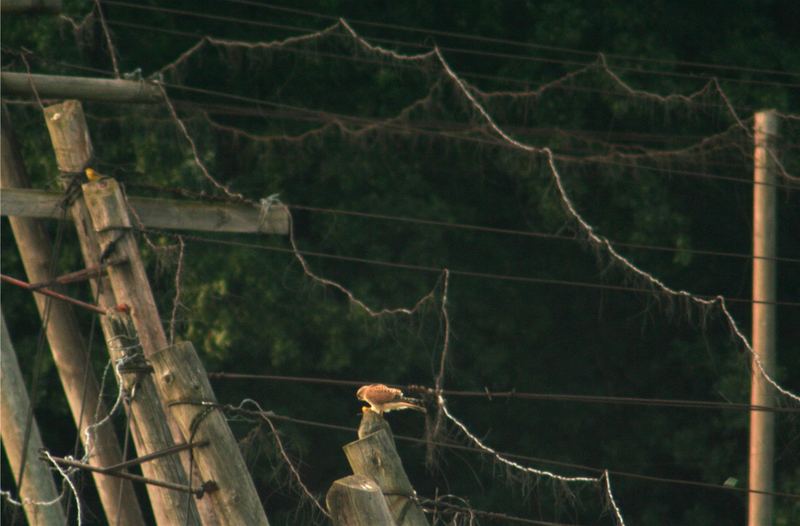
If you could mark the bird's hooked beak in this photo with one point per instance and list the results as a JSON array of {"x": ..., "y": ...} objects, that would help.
[{"x": 360, "y": 393}]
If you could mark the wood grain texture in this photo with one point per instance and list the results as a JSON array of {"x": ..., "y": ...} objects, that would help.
[
  {"x": 69, "y": 135},
  {"x": 181, "y": 378},
  {"x": 375, "y": 456},
  {"x": 67, "y": 344},
  {"x": 357, "y": 501},
  {"x": 150, "y": 431},
  {"x": 168, "y": 214},
  {"x": 37, "y": 484},
  {"x": 81, "y": 88}
]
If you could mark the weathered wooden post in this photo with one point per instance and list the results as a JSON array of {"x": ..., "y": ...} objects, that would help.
[
  {"x": 67, "y": 344},
  {"x": 14, "y": 410},
  {"x": 73, "y": 148},
  {"x": 357, "y": 501},
  {"x": 765, "y": 234},
  {"x": 374, "y": 455},
  {"x": 187, "y": 392}
]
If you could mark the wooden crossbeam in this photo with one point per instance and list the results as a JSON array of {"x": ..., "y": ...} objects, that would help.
[
  {"x": 168, "y": 214},
  {"x": 83, "y": 88}
]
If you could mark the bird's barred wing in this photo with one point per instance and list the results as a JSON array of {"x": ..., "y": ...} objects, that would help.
[{"x": 382, "y": 394}]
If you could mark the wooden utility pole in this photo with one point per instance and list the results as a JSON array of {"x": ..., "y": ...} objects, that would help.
[
  {"x": 15, "y": 408},
  {"x": 762, "y": 423},
  {"x": 67, "y": 346},
  {"x": 184, "y": 384},
  {"x": 179, "y": 374},
  {"x": 374, "y": 455},
  {"x": 357, "y": 501},
  {"x": 149, "y": 429},
  {"x": 83, "y": 88}
]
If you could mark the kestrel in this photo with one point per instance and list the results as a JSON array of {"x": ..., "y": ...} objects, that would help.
[{"x": 383, "y": 399}]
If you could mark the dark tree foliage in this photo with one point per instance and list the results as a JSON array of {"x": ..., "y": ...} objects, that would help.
[{"x": 255, "y": 311}]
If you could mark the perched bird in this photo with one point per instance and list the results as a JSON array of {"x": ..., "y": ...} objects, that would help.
[
  {"x": 382, "y": 399},
  {"x": 93, "y": 175}
]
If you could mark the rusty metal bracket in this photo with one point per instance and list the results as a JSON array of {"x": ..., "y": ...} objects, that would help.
[
  {"x": 198, "y": 492},
  {"x": 78, "y": 275}
]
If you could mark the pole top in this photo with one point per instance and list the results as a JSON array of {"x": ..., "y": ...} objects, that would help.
[{"x": 766, "y": 121}]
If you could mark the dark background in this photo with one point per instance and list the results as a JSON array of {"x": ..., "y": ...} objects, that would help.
[{"x": 254, "y": 311}]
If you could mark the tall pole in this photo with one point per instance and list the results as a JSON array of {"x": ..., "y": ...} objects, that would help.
[
  {"x": 14, "y": 411},
  {"x": 67, "y": 346},
  {"x": 762, "y": 423},
  {"x": 179, "y": 374},
  {"x": 150, "y": 431}
]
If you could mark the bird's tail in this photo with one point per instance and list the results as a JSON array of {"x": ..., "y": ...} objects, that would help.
[{"x": 410, "y": 403}]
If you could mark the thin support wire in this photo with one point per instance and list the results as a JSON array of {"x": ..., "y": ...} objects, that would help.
[
  {"x": 111, "y": 49},
  {"x": 500, "y": 458},
  {"x": 264, "y": 415},
  {"x": 607, "y": 486},
  {"x": 65, "y": 475},
  {"x": 176, "y": 301}
]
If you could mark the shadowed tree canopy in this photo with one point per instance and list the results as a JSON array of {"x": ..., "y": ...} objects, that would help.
[{"x": 334, "y": 127}]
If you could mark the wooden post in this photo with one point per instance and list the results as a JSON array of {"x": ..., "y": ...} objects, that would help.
[
  {"x": 62, "y": 87},
  {"x": 68, "y": 347},
  {"x": 184, "y": 384},
  {"x": 374, "y": 455},
  {"x": 236, "y": 500},
  {"x": 14, "y": 410},
  {"x": 109, "y": 212},
  {"x": 762, "y": 423},
  {"x": 150, "y": 431},
  {"x": 357, "y": 501}
]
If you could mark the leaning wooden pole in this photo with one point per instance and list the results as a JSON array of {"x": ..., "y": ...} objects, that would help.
[
  {"x": 762, "y": 423},
  {"x": 374, "y": 455},
  {"x": 15, "y": 408},
  {"x": 184, "y": 383},
  {"x": 357, "y": 501},
  {"x": 149, "y": 429},
  {"x": 68, "y": 347},
  {"x": 179, "y": 375}
]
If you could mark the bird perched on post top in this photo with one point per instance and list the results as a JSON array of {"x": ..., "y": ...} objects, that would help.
[
  {"x": 92, "y": 175},
  {"x": 382, "y": 399}
]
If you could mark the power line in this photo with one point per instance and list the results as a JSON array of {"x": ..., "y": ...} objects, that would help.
[
  {"x": 438, "y": 270},
  {"x": 471, "y": 227},
  {"x": 351, "y": 58},
  {"x": 517, "y": 43},
  {"x": 495, "y": 78},
  {"x": 404, "y": 128},
  {"x": 491, "y": 515},
  {"x": 448, "y": 129},
  {"x": 489, "y": 141},
  {"x": 77, "y": 67},
  {"x": 257, "y": 23},
  {"x": 489, "y": 395},
  {"x": 448, "y": 445},
  {"x": 526, "y": 233},
  {"x": 588, "y": 135}
]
